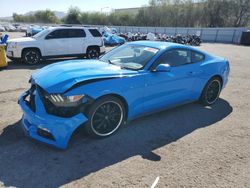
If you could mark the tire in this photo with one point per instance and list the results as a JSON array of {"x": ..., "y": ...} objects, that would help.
[
  {"x": 197, "y": 43},
  {"x": 31, "y": 56},
  {"x": 105, "y": 116},
  {"x": 93, "y": 53},
  {"x": 211, "y": 91}
]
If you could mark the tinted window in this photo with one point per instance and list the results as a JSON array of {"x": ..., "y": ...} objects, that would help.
[
  {"x": 66, "y": 33},
  {"x": 61, "y": 33},
  {"x": 197, "y": 57},
  {"x": 76, "y": 33},
  {"x": 95, "y": 33},
  {"x": 175, "y": 57}
]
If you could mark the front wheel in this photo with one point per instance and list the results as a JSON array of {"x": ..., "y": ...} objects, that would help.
[
  {"x": 211, "y": 92},
  {"x": 106, "y": 115},
  {"x": 31, "y": 56}
]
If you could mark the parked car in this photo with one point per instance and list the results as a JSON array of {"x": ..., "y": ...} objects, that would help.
[
  {"x": 112, "y": 39},
  {"x": 22, "y": 28},
  {"x": 57, "y": 42},
  {"x": 33, "y": 30},
  {"x": 2, "y": 29},
  {"x": 10, "y": 28},
  {"x": 151, "y": 36},
  {"x": 132, "y": 80}
]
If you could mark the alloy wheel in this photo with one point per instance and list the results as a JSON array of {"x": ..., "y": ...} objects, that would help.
[
  {"x": 107, "y": 118},
  {"x": 213, "y": 91},
  {"x": 93, "y": 54},
  {"x": 31, "y": 57}
]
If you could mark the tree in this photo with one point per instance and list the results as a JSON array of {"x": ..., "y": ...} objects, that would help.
[
  {"x": 159, "y": 13},
  {"x": 73, "y": 16},
  {"x": 46, "y": 16},
  {"x": 241, "y": 12},
  {"x": 17, "y": 17}
]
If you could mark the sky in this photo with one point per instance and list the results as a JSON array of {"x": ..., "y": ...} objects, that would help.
[{"x": 8, "y": 7}]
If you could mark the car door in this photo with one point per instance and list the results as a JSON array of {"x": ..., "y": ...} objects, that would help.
[
  {"x": 163, "y": 89},
  {"x": 56, "y": 43},
  {"x": 76, "y": 43}
]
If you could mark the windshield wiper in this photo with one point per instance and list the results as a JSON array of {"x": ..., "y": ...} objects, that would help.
[
  {"x": 122, "y": 67},
  {"x": 127, "y": 68},
  {"x": 110, "y": 62}
]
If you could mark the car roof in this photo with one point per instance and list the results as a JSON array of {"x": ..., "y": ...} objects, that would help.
[
  {"x": 166, "y": 45},
  {"x": 67, "y": 27},
  {"x": 157, "y": 44}
]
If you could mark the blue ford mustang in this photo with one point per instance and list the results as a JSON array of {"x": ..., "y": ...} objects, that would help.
[{"x": 132, "y": 80}]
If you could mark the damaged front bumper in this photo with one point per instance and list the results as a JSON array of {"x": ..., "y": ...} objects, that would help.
[{"x": 50, "y": 129}]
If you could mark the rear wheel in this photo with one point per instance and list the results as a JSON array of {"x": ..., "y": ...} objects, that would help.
[
  {"x": 31, "y": 56},
  {"x": 211, "y": 92},
  {"x": 106, "y": 115},
  {"x": 93, "y": 53}
]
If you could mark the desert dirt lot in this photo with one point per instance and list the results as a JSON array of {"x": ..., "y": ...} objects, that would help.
[{"x": 188, "y": 146}]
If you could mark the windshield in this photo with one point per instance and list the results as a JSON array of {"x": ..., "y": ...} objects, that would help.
[
  {"x": 129, "y": 56},
  {"x": 41, "y": 33}
]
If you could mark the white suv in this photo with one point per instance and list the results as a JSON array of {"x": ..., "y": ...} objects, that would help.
[{"x": 57, "y": 42}]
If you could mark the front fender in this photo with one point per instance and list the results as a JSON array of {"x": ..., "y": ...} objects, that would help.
[{"x": 129, "y": 88}]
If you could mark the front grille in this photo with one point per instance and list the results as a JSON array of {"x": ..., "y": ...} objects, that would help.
[
  {"x": 55, "y": 110},
  {"x": 45, "y": 134}
]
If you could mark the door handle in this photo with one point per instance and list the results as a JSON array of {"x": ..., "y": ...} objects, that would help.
[{"x": 191, "y": 73}]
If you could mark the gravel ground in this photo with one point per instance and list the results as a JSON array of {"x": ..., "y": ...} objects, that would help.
[{"x": 188, "y": 146}]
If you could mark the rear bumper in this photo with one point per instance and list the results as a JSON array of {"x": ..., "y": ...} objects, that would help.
[{"x": 57, "y": 130}]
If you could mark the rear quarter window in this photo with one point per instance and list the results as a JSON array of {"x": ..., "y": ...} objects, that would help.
[
  {"x": 175, "y": 57},
  {"x": 197, "y": 57},
  {"x": 95, "y": 33},
  {"x": 76, "y": 33}
]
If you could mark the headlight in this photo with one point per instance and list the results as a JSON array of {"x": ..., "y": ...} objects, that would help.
[
  {"x": 14, "y": 45},
  {"x": 65, "y": 101}
]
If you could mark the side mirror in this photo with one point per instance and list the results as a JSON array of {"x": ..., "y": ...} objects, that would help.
[{"x": 163, "y": 68}]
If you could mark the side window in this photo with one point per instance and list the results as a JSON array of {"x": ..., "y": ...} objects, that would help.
[
  {"x": 52, "y": 35},
  {"x": 63, "y": 33},
  {"x": 76, "y": 33},
  {"x": 58, "y": 34},
  {"x": 175, "y": 57},
  {"x": 95, "y": 33},
  {"x": 197, "y": 57}
]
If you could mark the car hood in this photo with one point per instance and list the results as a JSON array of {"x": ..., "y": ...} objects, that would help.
[
  {"x": 59, "y": 77},
  {"x": 24, "y": 39}
]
